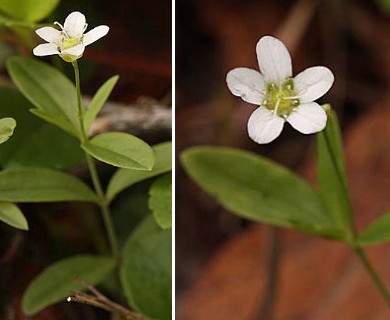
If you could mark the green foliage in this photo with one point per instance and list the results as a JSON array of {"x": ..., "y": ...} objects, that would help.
[
  {"x": 384, "y": 5},
  {"x": 28, "y": 10},
  {"x": 35, "y": 142},
  {"x": 376, "y": 233},
  {"x": 121, "y": 150},
  {"x": 258, "y": 189},
  {"x": 98, "y": 100},
  {"x": 125, "y": 178},
  {"x": 56, "y": 282},
  {"x": 161, "y": 201},
  {"x": 146, "y": 270},
  {"x": 331, "y": 173},
  {"x": 48, "y": 90},
  {"x": 32, "y": 184},
  {"x": 7, "y": 126},
  {"x": 11, "y": 215}
]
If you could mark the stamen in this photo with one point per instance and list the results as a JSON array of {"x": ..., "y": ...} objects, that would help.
[
  {"x": 290, "y": 98},
  {"x": 60, "y": 25},
  {"x": 277, "y": 106}
]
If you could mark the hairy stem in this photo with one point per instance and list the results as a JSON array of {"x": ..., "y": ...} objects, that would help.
[{"x": 94, "y": 174}]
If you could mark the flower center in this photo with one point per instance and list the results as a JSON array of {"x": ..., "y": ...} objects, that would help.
[
  {"x": 282, "y": 99},
  {"x": 69, "y": 43}
]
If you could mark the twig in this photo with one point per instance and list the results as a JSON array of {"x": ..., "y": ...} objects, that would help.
[{"x": 99, "y": 300}]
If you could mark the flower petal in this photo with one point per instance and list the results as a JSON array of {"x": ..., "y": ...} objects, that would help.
[
  {"x": 74, "y": 51},
  {"x": 45, "y": 49},
  {"x": 49, "y": 34},
  {"x": 95, "y": 34},
  {"x": 308, "y": 118},
  {"x": 74, "y": 24},
  {"x": 247, "y": 84},
  {"x": 274, "y": 59},
  {"x": 313, "y": 83},
  {"x": 264, "y": 126}
]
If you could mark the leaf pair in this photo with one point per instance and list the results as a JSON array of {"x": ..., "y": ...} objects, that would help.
[
  {"x": 55, "y": 100},
  {"x": 260, "y": 190}
]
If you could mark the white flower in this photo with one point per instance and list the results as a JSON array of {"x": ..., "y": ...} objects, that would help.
[
  {"x": 280, "y": 97},
  {"x": 69, "y": 42}
]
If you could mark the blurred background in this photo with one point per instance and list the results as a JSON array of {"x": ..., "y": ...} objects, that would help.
[
  {"x": 138, "y": 49},
  {"x": 228, "y": 268}
]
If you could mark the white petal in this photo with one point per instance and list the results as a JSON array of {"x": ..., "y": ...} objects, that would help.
[
  {"x": 308, "y": 118},
  {"x": 95, "y": 34},
  {"x": 313, "y": 83},
  {"x": 274, "y": 59},
  {"x": 74, "y": 51},
  {"x": 247, "y": 84},
  {"x": 46, "y": 49},
  {"x": 49, "y": 34},
  {"x": 264, "y": 126},
  {"x": 74, "y": 24}
]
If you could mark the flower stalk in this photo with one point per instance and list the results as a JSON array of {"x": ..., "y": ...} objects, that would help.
[
  {"x": 94, "y": 174},
  {"x": 353, "y": 234}
]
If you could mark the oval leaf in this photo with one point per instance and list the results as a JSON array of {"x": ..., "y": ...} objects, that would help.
[
  {"x": 32, "y": 184},
  {"x": 160, "y": 201},
  {"x": 121, "y": 150},
  {"x": 256, "y": 188},
  {"x": 11, "y": 215},
  {"x": 28, "y": 10},
  {"x": 376, "y": 233},
  {"x": 98, "y": 100},
  {"x": 7, "y": 126},
  {"x": 55, "y": 283},
  {"x": 124, "y": 178},
  {"x": 146, "y": 270},
  {"x": 48, "y": 90}
]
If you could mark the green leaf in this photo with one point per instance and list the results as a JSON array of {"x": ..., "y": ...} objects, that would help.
[
  {"x": 160, "y": 201},
  {"x": 121, "y": 150},
  {"x": 48, "y": 90},
  {"x": 11, "y": 214},
  {"x": 331, "y": 173},
  {"x": 35, "y": 142},
  {"x": 98, "y": 101},
  {"x": 376, "y": 233},
  {"x": 146, "y": 270},
  {"x": 55, "y": 283},
  {"x": 28, "y": 10},
  {"x": 32, "y": 184},
  {"x": 66, "y": 126},
  {"x": 7, "y": 126},
  {"x": 125, "y": 178},
  {"x": 256, "y": 188}
]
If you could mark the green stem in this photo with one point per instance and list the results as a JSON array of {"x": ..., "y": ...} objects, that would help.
[
  {"x": 373, "y": 274},
  {"x": 358, "y": 251},
  {"x": 94, "y": 174}
]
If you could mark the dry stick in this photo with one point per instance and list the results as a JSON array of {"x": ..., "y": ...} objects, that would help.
[
  {"x": 99, "y": 300},
  {"x": 297, "y": 22},
  {"x": 334, "y": 17}
]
